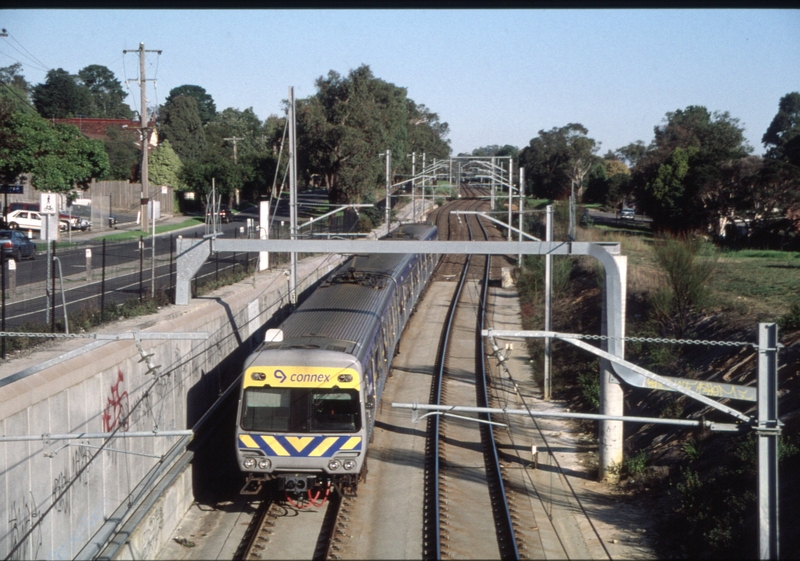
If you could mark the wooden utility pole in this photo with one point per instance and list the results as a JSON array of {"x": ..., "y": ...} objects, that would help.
[
  {"x": 234, "y": 139},
  {"x": 145, "y": 132}
]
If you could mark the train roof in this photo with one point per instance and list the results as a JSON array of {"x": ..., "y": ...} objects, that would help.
[{"x": 346, "y": 309}]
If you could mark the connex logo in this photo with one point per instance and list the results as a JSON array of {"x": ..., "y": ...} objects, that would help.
[{"x": 280, "y": 375}]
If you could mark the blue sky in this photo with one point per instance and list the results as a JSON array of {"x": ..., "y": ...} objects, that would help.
[{"x": 495, "y": 76}]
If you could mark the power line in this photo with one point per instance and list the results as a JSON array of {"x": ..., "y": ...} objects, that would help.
[{"x": 42, "y": 66}]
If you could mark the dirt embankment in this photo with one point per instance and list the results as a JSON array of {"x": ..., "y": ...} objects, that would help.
[{"x": 700, "y": 487}]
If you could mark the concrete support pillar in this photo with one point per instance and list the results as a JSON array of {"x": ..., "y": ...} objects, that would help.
[
  {"x": 263, "y": 233},
  {"x": 611, "y": 437}
]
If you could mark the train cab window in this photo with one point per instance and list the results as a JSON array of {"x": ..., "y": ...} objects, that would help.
[
  {"x": 335, "y": 410},
  {"x": 266, "y": 409},
  {"x": 300, "y": 410}
]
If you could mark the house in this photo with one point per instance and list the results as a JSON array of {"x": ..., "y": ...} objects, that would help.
[{"x": 97, "y": 129}]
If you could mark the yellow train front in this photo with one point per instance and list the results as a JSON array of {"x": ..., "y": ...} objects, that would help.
[{"x": 310, "y": 391}]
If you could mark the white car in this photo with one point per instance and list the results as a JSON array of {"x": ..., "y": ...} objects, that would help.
[{"x": 29, "y": 220}]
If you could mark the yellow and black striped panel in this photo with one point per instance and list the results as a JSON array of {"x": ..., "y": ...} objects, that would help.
[{"x": 300, "y": 446}]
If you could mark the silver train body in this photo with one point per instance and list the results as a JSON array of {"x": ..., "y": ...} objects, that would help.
[{"x": 308, "y": 397}]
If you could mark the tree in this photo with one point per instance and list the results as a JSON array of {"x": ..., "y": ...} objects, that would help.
[
  {"x": 342, "y": 128},
  {"x": 62, "y": 96},
  {"x": 58, "y": 157},
  {"x": 425, "y": 133},
  {"x": 10, "y": 143},
  {"x": 181, "y": 125},
  {"x": 632, "y": 153},
  {"x": 206, "y": 108},
  {"x": 782, "y": 138},
  {"x": 609, "y": 182},
  {"x": 124, "y": 157},
  {"x": 556, "y": 158},
  {"x": 164, "y": 166},
  {"x": 14, "y": 87},
  {"x": 677, "y": 180},
  {"x": 108, "y": 96}
]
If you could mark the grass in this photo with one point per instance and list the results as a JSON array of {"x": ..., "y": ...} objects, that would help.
[
  {"x": 135, "y": 234},
  {"x": 761, "y": 284},
  {"x": 757, "y": 284}
]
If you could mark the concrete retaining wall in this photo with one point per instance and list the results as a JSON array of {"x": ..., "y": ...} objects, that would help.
[{"x": 107, "y": 389}]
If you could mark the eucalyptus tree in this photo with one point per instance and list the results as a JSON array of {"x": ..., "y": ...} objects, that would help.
[
  {"x": 678, "y": 181},
  {"x": 344, "y": 127},
  {"x": 14, "y": 87},
  {"x": 557, "y": 159}
]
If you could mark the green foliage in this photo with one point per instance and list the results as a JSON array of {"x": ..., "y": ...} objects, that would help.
[
  {"x": 107, "y": 93},
  {"x": 693, "y": 449},
  {"x": 164, "y": 166},
  {"x": 14, "y": 89},
  {"x": 556, "y": 158},
  {"x": 590, "y": 389},
  {"x": 344, "y": 125},
  {"x": 686, "y": 283},
  {"x": 58, "y": 157},
  {"x": 635, "y": 464},
  {"x": 791, "y": 320},
  {"x": 632, "y": 153},
  {"x": 124, "y": 158},
  {"x": 679, "y": 182},
  {"x": 182, "y": 126},
  {"x": 782, "y": 138},
  {"x": 206, "y": 108},
  {"x": 497, "y": 150},
  {"x": 62, "y": 96}
]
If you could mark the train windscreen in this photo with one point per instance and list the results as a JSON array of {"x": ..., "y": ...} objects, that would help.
[{"x": 300, "y": 410}]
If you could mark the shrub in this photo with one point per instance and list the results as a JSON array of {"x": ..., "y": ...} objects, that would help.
[
  {"x": 791, "y": 320},
  {"x": 590, "y": 389},
  {"x": 686, "y": 277},
  {"x": 634, "y": 464}
]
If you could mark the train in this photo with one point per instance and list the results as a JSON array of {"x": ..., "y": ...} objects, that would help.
[{"x": 310, "y": 391}]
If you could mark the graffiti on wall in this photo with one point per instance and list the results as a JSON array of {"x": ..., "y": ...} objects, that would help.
[
  {"x": 22, "y": 516},
  {"x": 117, "y": 406}
]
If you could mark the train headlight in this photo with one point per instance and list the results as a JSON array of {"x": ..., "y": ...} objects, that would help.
[
  {"x": 258, "y": 376},
  {"x": 349, "y": 464},
  {"x": 345, "y": 378},
  {"x": 249, "y": 463},
  {"x": 264, "y": 464},
  {"x": 333, "y": 465}
]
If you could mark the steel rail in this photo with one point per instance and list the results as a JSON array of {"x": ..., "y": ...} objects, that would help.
[
  {"x": 507, "y": 542},
  {"x": 432, "y": 544}
]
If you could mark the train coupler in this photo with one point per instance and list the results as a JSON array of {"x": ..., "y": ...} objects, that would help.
[{"x": 253, "y": 484}]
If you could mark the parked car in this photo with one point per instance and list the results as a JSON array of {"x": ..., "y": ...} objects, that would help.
[
  {"x": 85, "y": 213},
  {"x": 64, "y": 217},
  {"x": 627, "y": 214},
  {"x": 30, "y": 220},
  {"x": 224, "y": 213},
  {"x": 17, "y": 245}
]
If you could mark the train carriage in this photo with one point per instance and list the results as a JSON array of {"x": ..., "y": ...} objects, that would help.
[{"x": 309, "y": 393}]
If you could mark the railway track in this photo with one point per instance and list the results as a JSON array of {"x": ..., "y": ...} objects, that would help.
[
  {"x": 479, "y": 503},
  {"x": 464, "y": 489}
]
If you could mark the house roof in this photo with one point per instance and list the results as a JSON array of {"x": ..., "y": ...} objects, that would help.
[{"x": 97, "y": 128}]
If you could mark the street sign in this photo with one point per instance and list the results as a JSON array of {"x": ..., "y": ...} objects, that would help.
[
  {"x": 11, "y": 189},
  {"x": 49, "y": 203}
]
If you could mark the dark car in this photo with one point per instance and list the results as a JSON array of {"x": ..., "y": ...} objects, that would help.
[
  {"x": 17, "y": 245},
  {"x": 224, "y": 213}
]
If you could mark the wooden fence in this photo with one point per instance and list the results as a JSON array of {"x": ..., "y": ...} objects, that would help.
[{"x": 124, "y": 195}]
